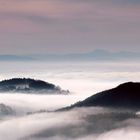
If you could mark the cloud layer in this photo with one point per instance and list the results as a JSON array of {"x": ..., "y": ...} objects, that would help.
[{"x": 77, "y": 124}]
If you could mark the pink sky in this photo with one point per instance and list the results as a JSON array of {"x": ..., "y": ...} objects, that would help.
[{"x": 68, "y": 25}]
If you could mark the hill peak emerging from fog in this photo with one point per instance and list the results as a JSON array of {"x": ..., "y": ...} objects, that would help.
[
  {"x": 126, "y": 95},
  {"x": 28, "y": 85}
]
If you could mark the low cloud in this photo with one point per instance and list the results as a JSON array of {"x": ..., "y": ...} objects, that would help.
[{"x": 77, "y": 124}]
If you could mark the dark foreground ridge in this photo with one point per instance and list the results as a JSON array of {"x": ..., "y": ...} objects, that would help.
[
  {"x": 27, "y": 85},
  {"x": 126, "y": 95}
]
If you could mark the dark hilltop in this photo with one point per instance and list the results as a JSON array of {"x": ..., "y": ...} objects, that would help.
[
  {"x": 28, "y": 85},
  {"x": 126, "y": 95}
]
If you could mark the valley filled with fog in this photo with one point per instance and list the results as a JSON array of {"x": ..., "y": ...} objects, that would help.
[{"x": 31, "y": 116}]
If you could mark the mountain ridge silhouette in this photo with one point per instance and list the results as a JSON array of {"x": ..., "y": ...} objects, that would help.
[
  {"x": 126, "y": 95},
  {"x": 28, "y": 85}
]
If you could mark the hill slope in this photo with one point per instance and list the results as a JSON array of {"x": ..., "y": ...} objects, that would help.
[{"x": 126, "y": 95}]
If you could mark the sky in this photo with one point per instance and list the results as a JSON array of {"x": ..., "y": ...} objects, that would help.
[{"x": 68, "y": 26}]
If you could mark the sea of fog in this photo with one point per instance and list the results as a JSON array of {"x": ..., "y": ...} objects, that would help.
[{"x": 25, "y": 121}]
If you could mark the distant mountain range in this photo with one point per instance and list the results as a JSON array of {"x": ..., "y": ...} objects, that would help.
[
  {"x": 15, "y": 58},
  {"x": 97, "y": 55},
  {"x": 126, "y": 95},
  {"x": 27, "y": 85}
]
